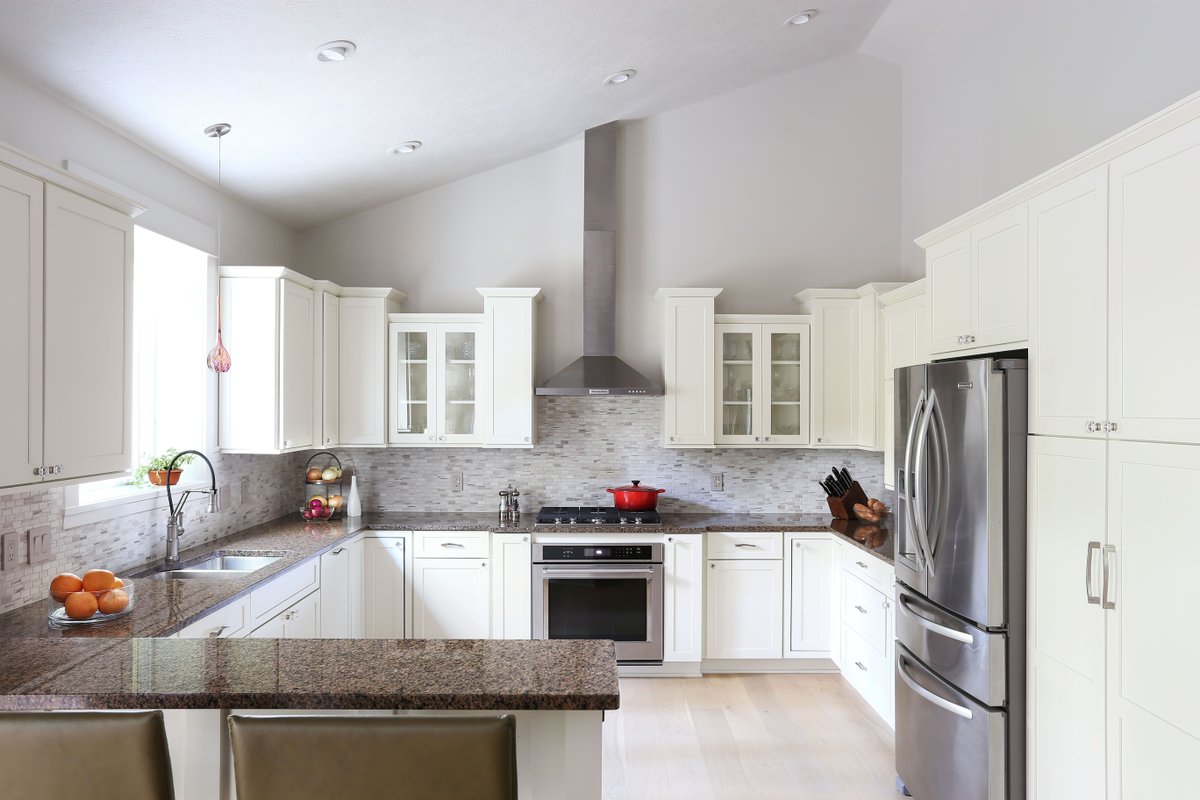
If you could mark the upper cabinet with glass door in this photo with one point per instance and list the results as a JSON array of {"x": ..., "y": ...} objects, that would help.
[
  {"x": 762, "y": 381},
  {"x": 434, "y": 380}
]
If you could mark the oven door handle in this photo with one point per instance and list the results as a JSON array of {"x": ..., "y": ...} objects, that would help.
[{"x": 583, "y": 573}]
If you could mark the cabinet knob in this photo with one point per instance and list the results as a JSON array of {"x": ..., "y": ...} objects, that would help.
[
  {"x": 712, "y": 566},
  {"x": 820, "y": 439},
  {"x": 431, "y": 438},
  {"x": 483, "y": 564},
  {"x": 216, "y": 634},
  {"x": 442, "y": 437},
  {"x": 758, "y": 438},
  {"x": 527, "y": 438},
  {"x": 766, "y": 438},
  {"x": 1092, "y": 427},
  {"x": 524, "y": 538},
  {"x": 670, "y": 538},
  {"x": 287, "y": 442},
  {"x": 671, "y": 438}
]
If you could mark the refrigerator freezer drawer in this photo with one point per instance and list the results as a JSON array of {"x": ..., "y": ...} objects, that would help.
[
  {"x": 970, "y": 658},
  {"x": 948, "y": 747}
]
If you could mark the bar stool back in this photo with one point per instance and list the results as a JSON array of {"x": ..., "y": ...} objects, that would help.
[{"x": 51, "y": 755}]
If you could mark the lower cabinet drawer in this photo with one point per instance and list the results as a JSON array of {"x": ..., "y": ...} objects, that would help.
[
  {"x": 229, "y": 622},
  {"x": 283, "y": 590},
  {"x": 745, "y": 545},
  {"x": 451, "y": 544},
  {"x": 867, "y": 670},
  {"x": 868, "y": 567},
  {"x": 863, "y": 610}
]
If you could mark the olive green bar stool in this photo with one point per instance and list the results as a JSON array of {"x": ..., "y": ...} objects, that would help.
[
  {"x": 51, "y": 755},
  {"x": 316, "y": 758}
]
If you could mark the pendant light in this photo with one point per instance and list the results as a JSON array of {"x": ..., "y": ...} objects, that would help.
[{"x": 218, "y": 357}]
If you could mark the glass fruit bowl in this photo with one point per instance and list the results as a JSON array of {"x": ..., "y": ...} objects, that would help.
[{"x": 90, "y": 608}]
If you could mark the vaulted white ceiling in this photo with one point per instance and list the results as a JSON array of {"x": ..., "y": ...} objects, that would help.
[{"x": 480, "y": 82}]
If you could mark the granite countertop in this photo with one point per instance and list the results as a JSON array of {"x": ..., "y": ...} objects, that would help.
[
  {"x": 502, "y": 675},
  {"x": 163, "y": 607}
]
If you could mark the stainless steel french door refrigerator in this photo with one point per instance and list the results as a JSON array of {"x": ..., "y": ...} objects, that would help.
[{"x": 960, "y": 579}]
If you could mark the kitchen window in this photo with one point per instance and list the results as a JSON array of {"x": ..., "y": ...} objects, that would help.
[{"x": 172, "y": 287}]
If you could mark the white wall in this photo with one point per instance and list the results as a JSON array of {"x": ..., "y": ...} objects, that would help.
[
  {"x": 1002, "y": 91},
  {"x": 52, "y": 131},
  {"x": 780, "y": 186}
]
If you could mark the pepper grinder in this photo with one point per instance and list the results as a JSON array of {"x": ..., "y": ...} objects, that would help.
[
  {"x": 515, "y": 511},
  {"x": 505, "y": 503}
]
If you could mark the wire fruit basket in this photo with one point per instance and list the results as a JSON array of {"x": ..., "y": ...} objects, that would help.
[{"x": 323, "y": 497}]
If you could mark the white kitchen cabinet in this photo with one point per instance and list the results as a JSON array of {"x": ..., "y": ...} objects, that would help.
[
  {"x": 1153, "y": 281},
  {"x": 1066, "y": 651},
  {"x": 762, "y": 373},
  {"x": 744, "y": 609},
  {"x": 363, "y": 365},
  {"x": 1153, "y": 707},
  {"x": 688, "y": 366},
  {"x": 21, "y": 243},
  {"x": 342, "y": 591},
  {"x": 451, "y": 598},
  {"x": 301, "y": 620},
  {"x": 435, "y": 380},
  {"x": 904, "y": 342},
  {"x": 327, "y": 373},
  {"x": 507, "y": 358},
  {"x": 511, "y": 559},
  {"x": 387, "y": 593},
  {"x": 88, "y": 336},
  {"x": 978, "y": 285},
  {"x": 231, "y": 621},
  {"x": 683, "y": 597},
  {"x": 808, "y": 615},
  {"x": 266, "y": 400},
  {"x": 1068, "y": 306}
]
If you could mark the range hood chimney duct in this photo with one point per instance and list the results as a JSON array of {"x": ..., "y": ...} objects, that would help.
[{"x": 599, "y": 372}]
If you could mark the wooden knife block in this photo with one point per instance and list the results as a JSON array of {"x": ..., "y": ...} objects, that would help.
[{"x": 843, "y": 507}]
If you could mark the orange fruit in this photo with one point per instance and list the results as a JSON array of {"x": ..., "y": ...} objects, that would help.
[
  {"x": 98, "y": 580},
  {"x": 62, "y": 585},
  {"x": 118, "y": 583},
  {"x": 81, "y": 605},
  {"x": 113, "y": 602}
]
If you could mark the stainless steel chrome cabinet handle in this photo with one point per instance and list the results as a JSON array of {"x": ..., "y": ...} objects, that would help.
[
  {"x": 338, "y": 551},
  {"x": 1109, "y": 553},
  {"x": 588, "y": 572},
  {"x": 861, "y": 610},
  {"x": 747, "y": 544},
  {"x": 859, "y": 664},
  {"x": 216, "y": 634},
  {"x": 1092, "y": 597},
  {"x": 766, "y": 438},
  {"x": 861, "y": 564},
  {"x": 453, "y": 544}
]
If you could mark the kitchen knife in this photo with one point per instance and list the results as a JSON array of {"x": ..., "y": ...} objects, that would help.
[
  {"x": 841, "y": 484},
  {"x": 831, "y": 487},
  {"x": 836, "y": 485},
  {"x": 826, "y": 488},
  {"x": 849, "y": 480}
]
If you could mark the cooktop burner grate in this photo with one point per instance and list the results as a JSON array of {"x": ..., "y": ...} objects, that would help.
[{"x": 595, "y": 515}]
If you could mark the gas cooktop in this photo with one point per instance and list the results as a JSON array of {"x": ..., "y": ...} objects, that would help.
[{"x": 595, "y": 515}]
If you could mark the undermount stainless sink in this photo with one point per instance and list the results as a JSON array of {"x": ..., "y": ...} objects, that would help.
[{"x": 221, "y": 565}]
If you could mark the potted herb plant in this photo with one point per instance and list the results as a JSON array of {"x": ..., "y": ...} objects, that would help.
[{"x": 156, "y": 469}]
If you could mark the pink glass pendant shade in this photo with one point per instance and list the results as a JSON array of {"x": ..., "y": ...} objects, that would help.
[{"x": 218, "y": 357}]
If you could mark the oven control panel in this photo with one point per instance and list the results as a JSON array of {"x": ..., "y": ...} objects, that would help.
[{"x": 608, "y": 552}]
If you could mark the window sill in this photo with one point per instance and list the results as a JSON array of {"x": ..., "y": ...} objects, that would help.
[{"x": 121, "y": 502}]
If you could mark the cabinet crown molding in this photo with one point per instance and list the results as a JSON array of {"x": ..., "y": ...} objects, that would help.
[
  {"x": 905, "y": 292},
  {"x": 267, "y": 272},
  {"x": 662, "y": 294},
  {"x": 382, "y": 292},
  {"x": 532, "y": 293}
]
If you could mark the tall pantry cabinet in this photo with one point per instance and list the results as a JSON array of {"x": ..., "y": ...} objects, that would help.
[{"x": 1115, "y": 425}]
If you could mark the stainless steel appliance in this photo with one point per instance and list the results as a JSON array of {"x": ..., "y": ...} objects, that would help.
[
  {"x": 595, "y": 515},
  {"x": 960, "y": 579},
  {"x": 601, "y": 591}
]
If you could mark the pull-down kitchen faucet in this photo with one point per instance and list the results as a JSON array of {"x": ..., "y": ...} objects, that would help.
[{"x": 175, "y": 520}]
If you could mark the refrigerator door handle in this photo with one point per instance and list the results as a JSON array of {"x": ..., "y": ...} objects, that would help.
[
  {"x": 1092, "y": 597},
  {"x": 933, "y": 627},
  {"x": 940, "y": 702},
  {"x": 921, "y": 529},
  {"x": 935, "y": 429},
  {"x": 910, "y": 523}
]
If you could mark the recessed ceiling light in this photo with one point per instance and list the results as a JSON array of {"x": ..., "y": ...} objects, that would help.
[
  {"x": 334, "y": 51},
  {"x": 404, "y": 147},
  {"x": 801, "y": 18},
  {"x": 619, "y": 77}
]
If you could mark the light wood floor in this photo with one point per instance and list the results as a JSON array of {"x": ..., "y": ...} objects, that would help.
[{"x": 746, "y": 737}]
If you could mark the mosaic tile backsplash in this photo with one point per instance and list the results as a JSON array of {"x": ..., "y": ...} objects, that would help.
[
  {"x": 270, "y": 490},
  {"x": 584, "y": 445}
]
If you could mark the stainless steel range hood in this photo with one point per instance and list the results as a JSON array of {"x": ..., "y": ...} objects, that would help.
[{"x": 599, "y": 372}]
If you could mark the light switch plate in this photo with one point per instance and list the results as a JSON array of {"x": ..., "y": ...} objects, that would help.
[
  {"x": 10, "y": 550},
  {"x": 718, "y": 482},
  {"x": 41, "y": 545},
  {"x": 456, "y": 481}
]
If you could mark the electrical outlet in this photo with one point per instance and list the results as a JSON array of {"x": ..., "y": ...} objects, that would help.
[
  {"x": 718, "y": 482},
  {"x": 11, "y": 550},
  {"x": 244, "y": 491},
  {"x": 41, "y": 546},
  {"x": 456, "y": 481}
]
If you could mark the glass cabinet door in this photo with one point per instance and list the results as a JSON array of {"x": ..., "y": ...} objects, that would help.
[
  {"x": 414, "y": 378},
  {"x": 458, "y": 419},
  {"x": 737, "y": 383},
  {"x": 786, "y": 384}
]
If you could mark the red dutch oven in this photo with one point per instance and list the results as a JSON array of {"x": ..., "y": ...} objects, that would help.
[{"x": 636, "y": 497}]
